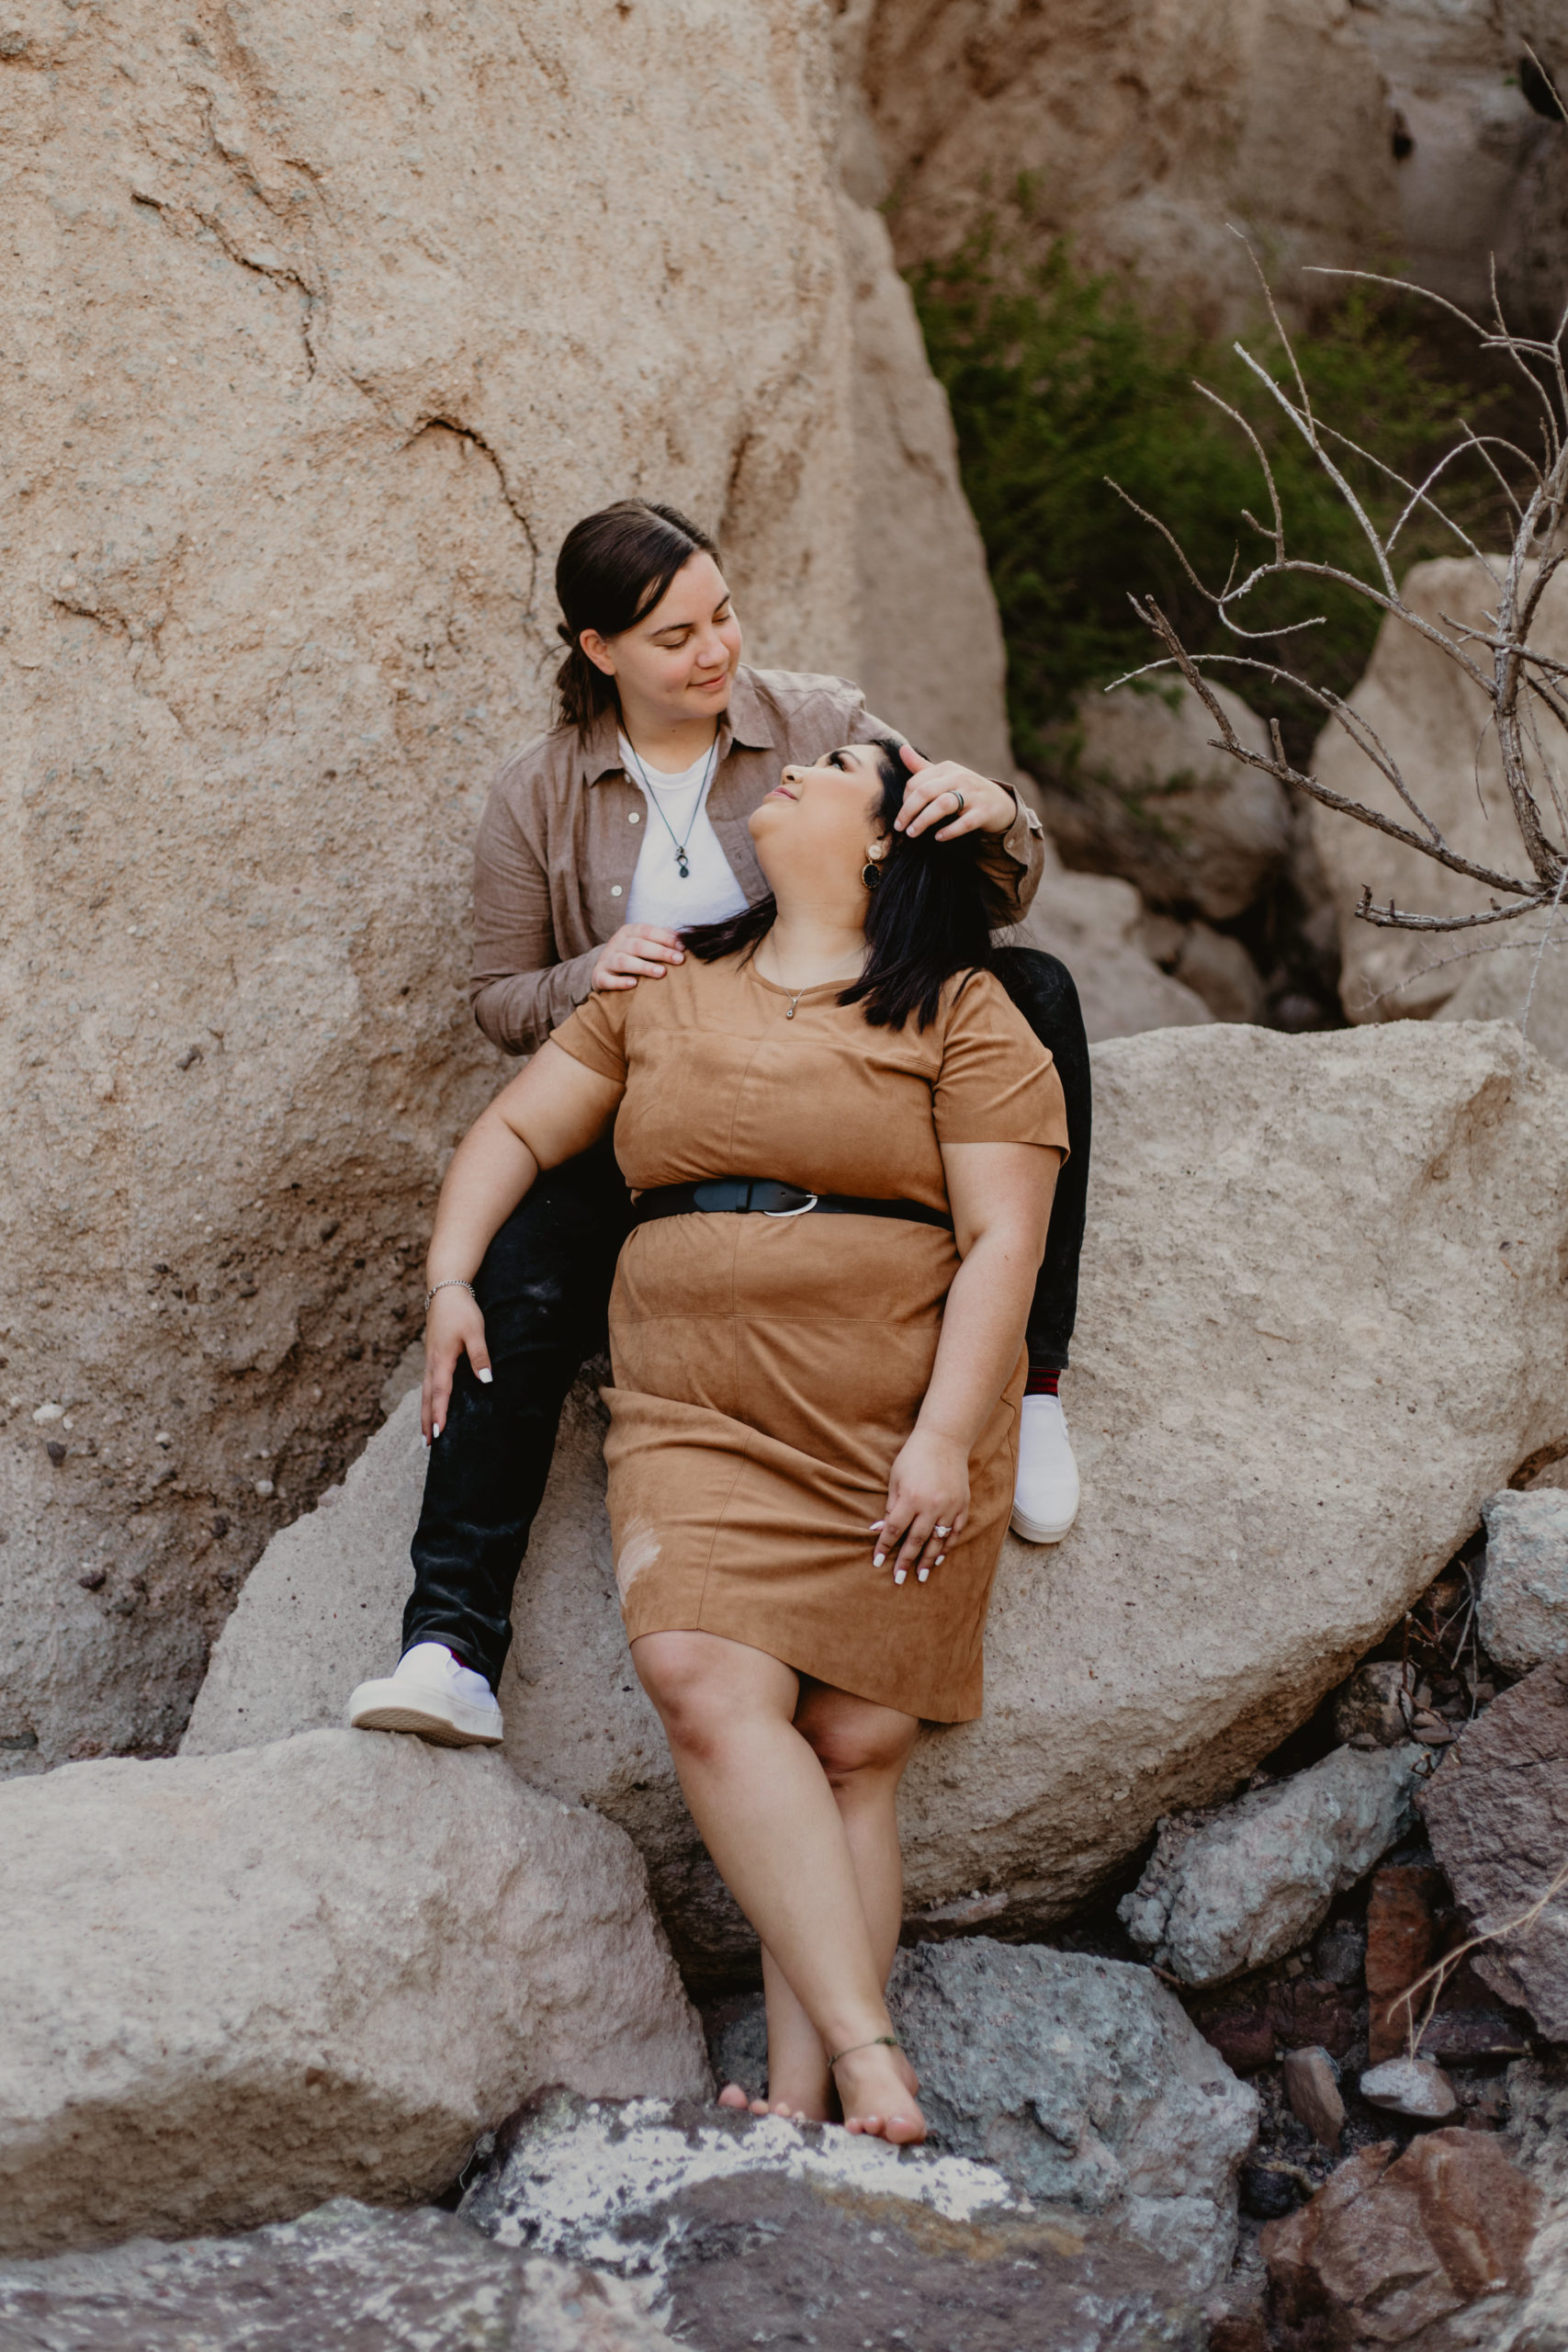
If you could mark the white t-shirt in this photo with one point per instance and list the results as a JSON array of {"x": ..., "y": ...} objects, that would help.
[{"x": 710, "y": 892}]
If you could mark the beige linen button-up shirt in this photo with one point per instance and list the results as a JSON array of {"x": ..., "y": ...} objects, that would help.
[{"x": 557, "y": 844}]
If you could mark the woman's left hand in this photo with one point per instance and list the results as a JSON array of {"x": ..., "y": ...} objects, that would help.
[
  {"x": 929, "y": 798},
  {"x": 928, "y": 1503}
]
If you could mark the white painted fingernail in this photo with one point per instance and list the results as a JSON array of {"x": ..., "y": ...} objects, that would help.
[
  {"x": 877, "y": 1558},
  {"x": 924, "y": 1573},
  {"x": 436, "y": 1430},
  {"x": 897, "y": 1576},
  {"x": 940, "y": 1558},
  {"x": 485, "y": 1376}
]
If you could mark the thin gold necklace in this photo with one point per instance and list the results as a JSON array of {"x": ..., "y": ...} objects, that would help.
[{"x": 795, "y": 995}]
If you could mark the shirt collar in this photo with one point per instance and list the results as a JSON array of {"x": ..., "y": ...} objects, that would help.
[{"x": 746, "y": 722}]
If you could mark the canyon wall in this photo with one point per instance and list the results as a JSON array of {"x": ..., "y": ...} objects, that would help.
[
  {"x": 1356, "y": 133},
  {"x": 323, "y": 326}
]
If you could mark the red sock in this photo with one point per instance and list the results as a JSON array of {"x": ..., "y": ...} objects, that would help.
[{"x": 1041, "y": 1382}]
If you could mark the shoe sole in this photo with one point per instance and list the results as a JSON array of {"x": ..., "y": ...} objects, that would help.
[
  {"x": 1029, "y": 1531},
  {"x": 435, "y": 1728}
]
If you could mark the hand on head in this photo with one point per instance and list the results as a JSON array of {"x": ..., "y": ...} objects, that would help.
[{"x": 951, "y": 799}]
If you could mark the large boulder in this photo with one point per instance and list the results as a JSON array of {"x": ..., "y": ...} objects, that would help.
[
  {"x": 1147, "y": 138},
  {"x": 340, "y": 2279},
  {"x": 1295, "y": 1379},
  {"x": 1227, "y": 1892},
  {"x": 240, "y": 1984},
  {"x": 330, "y": 323},
  {"x": 1143, "y": 792},
  {"x": 1433, "y": 720},
  {"x": 760, "y": 2232}
]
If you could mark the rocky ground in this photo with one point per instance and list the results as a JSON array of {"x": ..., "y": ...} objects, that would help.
[{"x": 1204, "y": 2115}]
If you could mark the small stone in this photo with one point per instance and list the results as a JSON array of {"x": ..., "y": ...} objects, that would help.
[
  {"x": 1311, "y": 2086},
  {"x": 1523, "y": 1610},
  {"x": 163, "y": 1438},
  {"x": 1340, "y": 1953},
  {"x": 55, "y": 1450},
  {"x": 1411, "y": 2087},
  {"x": 49, "y": 1413},
  {"x": 219, "y": 1524},
  {"x": 192, "y": 1054},
  {"x": 1269, "y": 2191},
  {"x": 1370, "y": 1709},
  {"x": 264, "y": 1488},
  {"x": 1401, "y": 1934},
  {"x": 92, "y": 1579}
]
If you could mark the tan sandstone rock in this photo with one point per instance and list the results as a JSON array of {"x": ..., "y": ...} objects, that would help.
[
  {"x": 1433, "y": 720},
  {"x": 1142, "y": 136},
  {"x": 1293, "y": 1382},
  {"x": 240, "y": 1984},
  {"x": 1144, "y": 794},
  {"x": 322, "y": 327}
]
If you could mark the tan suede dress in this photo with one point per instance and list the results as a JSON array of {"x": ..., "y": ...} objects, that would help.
[{"x": 766, "y": 1372}]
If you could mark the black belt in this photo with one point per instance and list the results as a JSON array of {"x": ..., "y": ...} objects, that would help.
[{"x": 768, "y": 1196}]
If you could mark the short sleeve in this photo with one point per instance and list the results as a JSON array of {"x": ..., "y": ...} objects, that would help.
[
  {"x": 596, "y": 1034},
  {"x": 996, "y": 1083}
]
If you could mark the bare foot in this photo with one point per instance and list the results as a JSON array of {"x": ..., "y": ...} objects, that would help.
[
  {"x": 733, "y": 2096},
  {"x": 877, "y": 2087}
]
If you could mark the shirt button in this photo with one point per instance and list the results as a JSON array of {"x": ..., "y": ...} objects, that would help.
[
  {"x": 615, "y": 889},
  {"x": 634, "y": 817}
]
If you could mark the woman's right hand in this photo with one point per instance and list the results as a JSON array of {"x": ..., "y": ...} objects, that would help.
[
  {"x": 452, "y": 1327},
  {"x": 638, "y": 952}
]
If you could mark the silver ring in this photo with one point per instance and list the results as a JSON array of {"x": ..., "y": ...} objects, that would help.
[
  {"x": 957, "y": 796},
  {"x": 942, "y": 1531}
]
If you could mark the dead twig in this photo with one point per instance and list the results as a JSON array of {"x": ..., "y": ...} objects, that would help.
[
  {"x": 1441, "y": 1970},
  {"x": 1518, "y": 682}
]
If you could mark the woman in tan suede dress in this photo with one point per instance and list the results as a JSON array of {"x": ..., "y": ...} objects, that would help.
[
  {"x": 767, "y": 1370},
  {"x": 844, "y": 1139}
]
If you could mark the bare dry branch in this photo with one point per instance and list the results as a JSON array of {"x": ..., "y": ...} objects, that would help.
[
  {"x": 1515, "y": 678},
  {"x": 1438, "y": 1975}
]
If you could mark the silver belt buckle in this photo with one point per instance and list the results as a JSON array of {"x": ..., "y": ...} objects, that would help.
[{"x": 808, "y": 1202}]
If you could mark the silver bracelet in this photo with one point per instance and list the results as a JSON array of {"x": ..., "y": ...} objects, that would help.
[{"x": 453, "y": 1282}]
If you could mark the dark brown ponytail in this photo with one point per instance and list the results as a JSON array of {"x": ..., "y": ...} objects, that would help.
[{"x": 613, "y": 568}]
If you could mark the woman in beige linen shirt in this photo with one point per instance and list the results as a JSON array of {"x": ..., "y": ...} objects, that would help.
[
  {"x": 843, "y": 1138},
  {"x": 664, "y": 731}
]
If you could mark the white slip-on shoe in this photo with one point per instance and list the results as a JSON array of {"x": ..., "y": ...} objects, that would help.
[
  {"x": 431, "y": 1693},
  {"x": 1046, "y": 1495}
]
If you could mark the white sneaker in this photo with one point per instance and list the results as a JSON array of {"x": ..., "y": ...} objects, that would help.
[
  {"x": 431, "y": 1693},
  {"x": 1046, "y": 1498}
]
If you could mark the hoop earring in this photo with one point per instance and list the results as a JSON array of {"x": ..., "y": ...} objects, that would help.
[{"x": 869, "y": 874}]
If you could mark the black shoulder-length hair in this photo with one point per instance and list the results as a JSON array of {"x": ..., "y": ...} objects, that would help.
[
  {"x": 930, "y": 915},
  {"x": 613, "y": 568}
]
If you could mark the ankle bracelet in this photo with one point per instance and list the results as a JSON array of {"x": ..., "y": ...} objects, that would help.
[{"x": 878, "y": 2041}]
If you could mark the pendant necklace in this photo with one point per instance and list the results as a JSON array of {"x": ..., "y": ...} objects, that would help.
[{"x": 683, "y": 862}]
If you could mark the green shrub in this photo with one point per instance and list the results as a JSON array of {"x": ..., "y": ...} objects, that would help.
[{"x": 1056, "y": 381}]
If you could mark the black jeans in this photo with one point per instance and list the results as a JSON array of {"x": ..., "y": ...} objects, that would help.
[{"x": 545, "y": 1287}]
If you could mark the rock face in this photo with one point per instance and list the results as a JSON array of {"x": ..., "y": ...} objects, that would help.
[
  {"x": 813, "y": 2235},
  {"x": 1498, "y": 1811},
  {"x": 1389, "y": 2250},
  {"x": 320, "y": 345},
  {"x": 1431, "y": 719},
  {"x": 1218, "y": 1581},
  {"x": 1242, "y": 1887},
  {"x": 1144, "y": 795},
  {"x": 421, "y": 2282},
  {"x": 239, "y": 1985},
  {"x": 1523, "y": 1612},
  {"x": 1084, "y": 2081},
  {"x": 1141, "y": 146}
]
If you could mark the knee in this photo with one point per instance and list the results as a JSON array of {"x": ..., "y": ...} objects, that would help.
[
  {"x": 864, "y": 1751},
  {"x": 693, "y": 1704}
]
